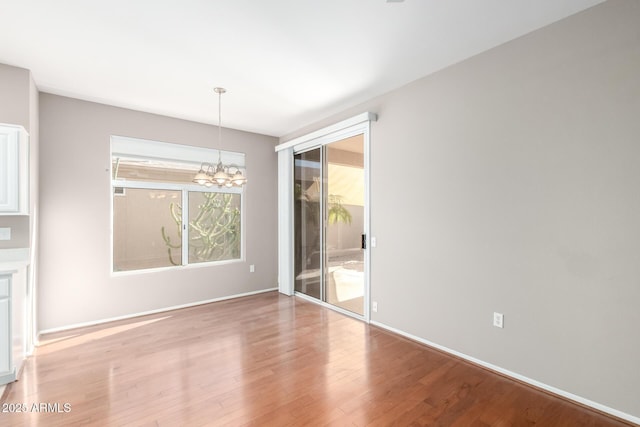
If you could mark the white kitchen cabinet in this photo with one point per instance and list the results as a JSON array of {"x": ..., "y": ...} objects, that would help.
[
  {"x": 15, "y": 312},
  {"x": 6, "y": 371},
  {"x": 14, "y": 170},
  {"x": 12, "y": 314}
]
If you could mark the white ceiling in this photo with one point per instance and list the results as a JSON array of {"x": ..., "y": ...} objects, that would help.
[{"x": 285, "y": 63}]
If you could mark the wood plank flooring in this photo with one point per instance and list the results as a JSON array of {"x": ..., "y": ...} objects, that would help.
[{"x": 267, "y": 360}]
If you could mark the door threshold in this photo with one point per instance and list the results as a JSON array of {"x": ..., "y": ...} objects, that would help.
[{"x": 330, "y": 306}]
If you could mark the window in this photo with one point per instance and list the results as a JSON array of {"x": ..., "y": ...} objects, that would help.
[
  {"x": 160, "y": 217},
  {"x": 144, "y": 229},
  {"x": 214, "y": 225}
]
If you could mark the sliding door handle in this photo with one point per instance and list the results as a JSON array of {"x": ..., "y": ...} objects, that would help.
[{"x": 364, "y": 241}]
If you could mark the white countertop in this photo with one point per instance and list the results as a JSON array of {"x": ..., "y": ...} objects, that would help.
[{"x": 13, "y": 259}]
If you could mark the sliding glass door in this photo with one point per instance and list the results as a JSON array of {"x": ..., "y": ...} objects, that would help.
[
  {"x": 344, "y": 219},
  {"x": 329, "y": 217},
  {"x": 307, "y": 217}
]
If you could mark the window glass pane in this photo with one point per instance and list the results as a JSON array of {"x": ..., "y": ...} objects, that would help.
[
  {"x": 146, "y": 229},
  {"x": 307, "y": 220},
  {"x": 214, "y": 226}
]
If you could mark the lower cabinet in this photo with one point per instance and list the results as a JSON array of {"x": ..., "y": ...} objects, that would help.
[
  {"x": 13, "y": 313},
  {"x": 7, "y": 374},
  {"x": 11, "y": 325}
]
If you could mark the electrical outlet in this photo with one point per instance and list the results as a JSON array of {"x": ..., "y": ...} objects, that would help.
[
  {"x": 498, "y": 320},
  {"x": 374, "y": 306},
  {"x": 252, "y": 268}
]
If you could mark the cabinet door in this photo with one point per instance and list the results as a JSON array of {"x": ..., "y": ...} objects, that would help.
[
  {"x": 14, "y": 170},
  {"x": 5, "y": 347},
  {"x": 18, "y": 290},
  {"x": 9, "y": 161}
]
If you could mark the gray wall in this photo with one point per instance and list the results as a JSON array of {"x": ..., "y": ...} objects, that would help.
[
  {"x": 19, "y": 106},
  {"x": 525, "y": 200},
  {"x": 14, "y": 92},
  {"x": 76, "y": 284}
]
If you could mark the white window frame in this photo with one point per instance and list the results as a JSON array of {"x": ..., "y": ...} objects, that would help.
[{"x": 134, "y": 147}]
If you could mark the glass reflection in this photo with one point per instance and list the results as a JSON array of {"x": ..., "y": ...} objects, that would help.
[{"x": 307, "y": 196}]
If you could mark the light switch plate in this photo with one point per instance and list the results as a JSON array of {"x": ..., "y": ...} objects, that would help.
[
  {"x": 498, "y": 320},
  {"x": 5, "y": 233}
]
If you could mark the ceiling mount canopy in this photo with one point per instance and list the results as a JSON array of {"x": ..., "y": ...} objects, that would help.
[{"x": 219, "y": 174}]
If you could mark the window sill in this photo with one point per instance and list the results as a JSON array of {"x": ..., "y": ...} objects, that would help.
[{"x": 176, "y": 267}]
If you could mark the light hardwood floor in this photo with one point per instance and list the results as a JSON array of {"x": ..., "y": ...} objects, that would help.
[{"x": 267, "y": 360}]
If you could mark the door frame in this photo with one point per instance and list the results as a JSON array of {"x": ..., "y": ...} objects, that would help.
[{"x": 360, "y": 124}]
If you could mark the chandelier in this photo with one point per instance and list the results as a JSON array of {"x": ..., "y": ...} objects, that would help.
[{"x": 219, "y": 174}]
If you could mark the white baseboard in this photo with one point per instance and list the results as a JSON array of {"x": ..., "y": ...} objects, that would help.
[
  {"x": 538, "y": 384},
  {"x": 145, "y": 313}
]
